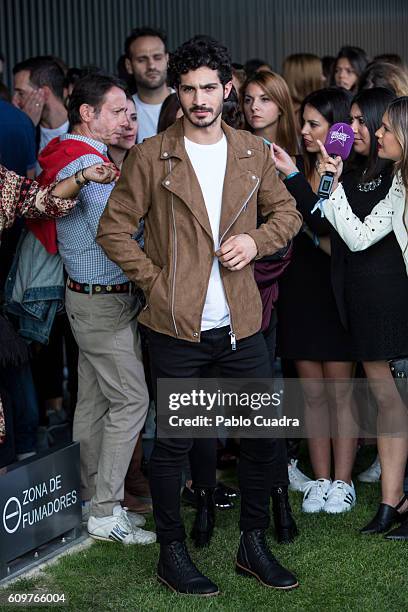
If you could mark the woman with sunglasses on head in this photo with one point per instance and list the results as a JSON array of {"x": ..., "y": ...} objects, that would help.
[{"x": 381, "y": 322}]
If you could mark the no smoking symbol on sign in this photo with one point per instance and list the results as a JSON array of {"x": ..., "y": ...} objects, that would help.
[{"x": 12, "y": 515}]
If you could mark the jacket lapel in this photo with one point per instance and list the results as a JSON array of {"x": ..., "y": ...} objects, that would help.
[
  {"x": 239, "y": 182},
  {"x": 181, "y": 179}
]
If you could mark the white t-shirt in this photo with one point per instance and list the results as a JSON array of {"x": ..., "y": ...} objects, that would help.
[
  {"x": 147, "y": 118},
  {"x": 47, "y": 135},
  {"x": 209, "y": 163}
]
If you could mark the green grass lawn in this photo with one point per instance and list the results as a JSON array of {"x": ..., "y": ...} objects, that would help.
[{"x": 338, "y": 570}]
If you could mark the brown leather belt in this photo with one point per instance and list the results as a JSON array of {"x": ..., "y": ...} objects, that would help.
[{"x": 100, "y": 289}]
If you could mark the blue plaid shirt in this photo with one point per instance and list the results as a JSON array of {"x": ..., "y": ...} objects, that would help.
[{"x": 83, "y": 258}]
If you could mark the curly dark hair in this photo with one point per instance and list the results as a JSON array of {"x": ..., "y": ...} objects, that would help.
[{"x": 197, "y": 52}]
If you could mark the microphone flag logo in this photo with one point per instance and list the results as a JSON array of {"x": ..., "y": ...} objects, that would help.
[{"x": 339, "y": 136}]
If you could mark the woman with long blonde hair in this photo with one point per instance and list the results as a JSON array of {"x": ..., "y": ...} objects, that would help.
[
  {"x": 388, "y": 215},
  {"x": 268, "y": 110}
]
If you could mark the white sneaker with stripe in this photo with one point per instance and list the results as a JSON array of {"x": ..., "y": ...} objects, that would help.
[
  {"x": 315, "y": 495},
  {"x": 340, "y": 498},
  {"x": 118, "y": 528},
  {"x": 372, "y": 473},
  {"x": 297, "y": 480}
]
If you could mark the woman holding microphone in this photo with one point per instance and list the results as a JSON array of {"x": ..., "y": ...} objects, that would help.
[{"x": 385, "y": 224}]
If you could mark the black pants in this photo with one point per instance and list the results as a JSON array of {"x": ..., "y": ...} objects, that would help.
[{"x": 262, "y": 461}]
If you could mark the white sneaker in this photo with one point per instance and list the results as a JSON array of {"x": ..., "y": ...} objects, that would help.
[
  {"x": 136, "y": 520},
  {"x": 340, "y": 498},
  {"x": 373, "y": 473},
  {"x": 118, "y": 528},
  {"x": 297, "y": 480},
  {"x": 315, "y": 495}
]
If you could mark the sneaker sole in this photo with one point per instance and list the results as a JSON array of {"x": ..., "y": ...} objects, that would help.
[
  {"x": 339, "y": 511},
  {"x": 102, "y": 539},
  {"x": 165, "y": 583},
  {"x": 244, "y": 571},
  {"x": 312, "y": 511}
]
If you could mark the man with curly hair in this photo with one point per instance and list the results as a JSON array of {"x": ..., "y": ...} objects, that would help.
[{"x": 198, "y": 187}]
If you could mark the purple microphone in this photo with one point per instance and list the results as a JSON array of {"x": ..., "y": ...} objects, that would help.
[{"x": 339, "y": 141}]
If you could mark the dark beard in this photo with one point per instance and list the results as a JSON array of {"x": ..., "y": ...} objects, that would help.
[{"x": 207, "y": 122}]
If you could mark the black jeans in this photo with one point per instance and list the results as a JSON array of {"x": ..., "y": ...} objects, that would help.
[{"x": 262, "y": 461}]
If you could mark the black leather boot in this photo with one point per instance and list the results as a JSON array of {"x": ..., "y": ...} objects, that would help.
[
  {"x": 399, "y": 533},
  {"x": 285, "y": 526},
  {"x": 385, "y": 518},
  {"x": 222, "y": 500},
  {"x": 177, "y": 571},
  {"x": 204, "y": 521},
  {"x": 255, "y": 559}
]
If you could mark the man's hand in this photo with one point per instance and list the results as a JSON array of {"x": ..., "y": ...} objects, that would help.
[
  {"x": 34, "y": 106},
  {"x": 236, "y": 252}
]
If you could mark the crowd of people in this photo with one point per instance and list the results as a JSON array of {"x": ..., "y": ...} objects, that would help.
[{"x": 203, "y": 251}]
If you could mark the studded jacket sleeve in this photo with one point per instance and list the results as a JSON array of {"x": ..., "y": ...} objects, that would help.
[{"x": 22, "y": 197}]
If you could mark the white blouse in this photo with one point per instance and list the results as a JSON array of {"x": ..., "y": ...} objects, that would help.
[{"x": 386, "y": 216}]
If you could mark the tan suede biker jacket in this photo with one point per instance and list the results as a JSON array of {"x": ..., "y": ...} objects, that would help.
[{"x": 158, "y": 184}]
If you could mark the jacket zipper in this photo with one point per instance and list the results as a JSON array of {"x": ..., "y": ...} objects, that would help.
[
  {"x": 239, "y": 212},
  {"x": 173, "y": 289},
  {"x": 231, "y": 332}
]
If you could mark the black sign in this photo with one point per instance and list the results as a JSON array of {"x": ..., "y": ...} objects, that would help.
[{"x": 39, "y": 501}]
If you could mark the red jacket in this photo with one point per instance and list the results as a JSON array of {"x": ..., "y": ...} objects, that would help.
[{"x": 53, "y": 158}]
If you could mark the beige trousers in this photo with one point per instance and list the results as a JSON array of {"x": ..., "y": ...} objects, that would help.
[{"x": 112, "y": 393}]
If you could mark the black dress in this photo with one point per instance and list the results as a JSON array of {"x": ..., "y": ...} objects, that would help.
[
  {"x": 370, "y": 286},
  {"x": 375, "y": 285},
  {"x": 309, "y": 325}
]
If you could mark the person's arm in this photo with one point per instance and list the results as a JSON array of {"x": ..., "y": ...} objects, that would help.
[
  {"x": 298, "y": 186},
  {"x": 128, "y": 204},
  {"x": 282, "y": 222},
  {"x": 97, "y": 173},
  {"x": 57, "y": 199},
  {"x": 276, "y": 205},
  {"x": 25, "y": 198},
  {"x": 325, "y": 244},
  {"x": 320, "y": 242},
  {"x": 359, "y": 235}
]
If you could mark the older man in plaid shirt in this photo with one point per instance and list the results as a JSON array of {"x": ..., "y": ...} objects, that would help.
[{"x": 102, "y": 308}]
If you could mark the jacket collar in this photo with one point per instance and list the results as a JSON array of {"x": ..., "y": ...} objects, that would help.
[
  {"x": 239, "y": 181},
  {"x": 173, "y": 142}
]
